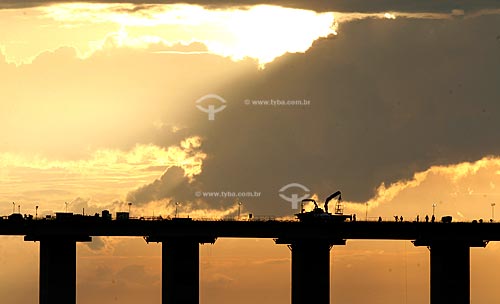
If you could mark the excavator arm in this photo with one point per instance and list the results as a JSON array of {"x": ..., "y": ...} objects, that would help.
[
  {"x": 310, "y": 200},
  {"x": 332, "y": 196}
]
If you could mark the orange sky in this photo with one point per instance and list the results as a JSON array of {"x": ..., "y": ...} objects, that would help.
[{"x": 97, "y": 108}]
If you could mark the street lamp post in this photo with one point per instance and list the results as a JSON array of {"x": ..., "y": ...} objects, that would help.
[
  {"x": 492, "y": 212},
  {"x": 176, "y": 208},
  {"x": 36, "y": 212},
  {"x": 366, "y": 212},
  {"x": 239, "y": 209},
  {"x": 433, "y": 209},
  {"x": 13, "y": 207},
  {"x": 129, "y": 205}
]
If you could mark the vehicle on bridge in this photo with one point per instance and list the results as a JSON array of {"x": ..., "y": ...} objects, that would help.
[
  {"x": 318, "y": 214},
  {"x": 447, "y": 219},
  {"x": 16, "y": 217}
]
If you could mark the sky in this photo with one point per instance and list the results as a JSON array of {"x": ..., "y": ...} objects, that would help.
[{"x": 105, "y": 103}]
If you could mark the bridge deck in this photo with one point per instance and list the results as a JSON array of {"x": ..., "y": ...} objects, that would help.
[{"x": 458, "y": 231}]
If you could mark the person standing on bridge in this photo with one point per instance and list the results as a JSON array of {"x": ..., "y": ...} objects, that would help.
[
  {"x": 418, "y": 218},
  {"x": 401, "y": 218},
  {"x": 426, "y": 218},
  {"x": 396, "y": 218},
  {"x": 433, "y": 219}
]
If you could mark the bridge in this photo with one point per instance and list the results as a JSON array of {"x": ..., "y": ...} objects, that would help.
[{"x": 310, "y": 244}]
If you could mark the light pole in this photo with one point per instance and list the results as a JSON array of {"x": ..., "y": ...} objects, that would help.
[
  {"x": 36, "y": 212},
  {"x": 66, "y": 203},
  {"x": 239, "y": 209},
  {"x": 129, "y": 205},
  {"x": 176, "y": 208},
  {"x": 19, "y": 209},
  {"x": 492, "y": 212},
  {"x": 366, "y": 212},
  {"x": 13, "y": 207},
  {"x": 433, "y": 209}
]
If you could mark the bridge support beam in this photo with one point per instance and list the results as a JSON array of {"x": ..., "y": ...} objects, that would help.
[
  {"x": 310, "y": 269},
  {"x": 57, "y": 268},
  {"x": 180, "y": 269},
  {"x": 450, "y": 270}
]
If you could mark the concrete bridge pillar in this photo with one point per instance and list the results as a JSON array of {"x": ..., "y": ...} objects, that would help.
[
  {"x": 310, "y": 269},
  {"x": 180, "y": 269},
  {"x": 57, "y": 268},
  {"x": 450, "y": 270}
]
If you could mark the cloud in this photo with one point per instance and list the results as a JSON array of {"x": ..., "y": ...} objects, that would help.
[
  {"x": 99, "y": 244},
  {"x": 384, "y": 105},
  {"x": 465, "y": 191},
  {"x": 140, "y": 157},
  {"x": 323, "y": 5},
  {"x": 232, "y": 33},
  {"x": 169, "y": 28},
  {"x": 87, "y": 183},
  {"x": 173, "y": 187},
  {"x": 173, "y": 183}
]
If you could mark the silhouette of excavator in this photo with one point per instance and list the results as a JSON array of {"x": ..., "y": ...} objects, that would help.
[{"x": 318, "y": 214}]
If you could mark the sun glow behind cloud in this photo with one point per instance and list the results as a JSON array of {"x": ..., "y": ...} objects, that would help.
[{"x": 261, "y": 32}]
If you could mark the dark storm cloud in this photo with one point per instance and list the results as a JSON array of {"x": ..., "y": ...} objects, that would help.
[
  {"x": 364, "y": 6},
  {"x": 172, "y": 183},
  {"x": 388, "y": 99}
]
